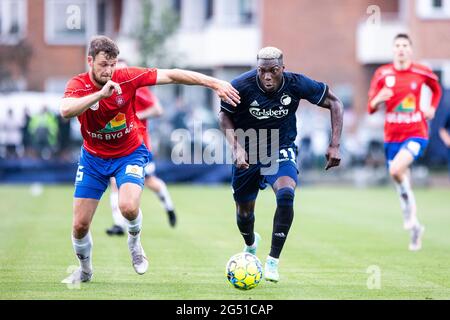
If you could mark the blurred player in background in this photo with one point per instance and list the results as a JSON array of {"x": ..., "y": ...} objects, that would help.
[
  {"x": 270, "y": 98},
  {"x": 147, "y": 106},
  {"x": 103, "y": 101},
  {"x": 396, "y": 87},
  {"x": 444, "y": 133}
]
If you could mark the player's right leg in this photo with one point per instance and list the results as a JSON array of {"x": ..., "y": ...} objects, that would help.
[
  {"x": 91, "y": 181},
  {"x": 246, "y": 184},
  {"x": 83, "y": 211}
]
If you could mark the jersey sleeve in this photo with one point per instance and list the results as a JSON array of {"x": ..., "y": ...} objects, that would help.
[
  {"x": 145, "y": 99},
  {"x": 228, "y": 108},
  {"x": 75, "y": 88},
  {"x": 314, "y": 91},
  {"x": 432, "y": 81},
  {"x": 141, "y": 77}
]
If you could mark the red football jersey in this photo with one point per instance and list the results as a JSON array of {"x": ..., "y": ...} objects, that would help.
[
  {"x": 145, "y": 99},
  {"x": 110, "y": 127},
  {"x": 404, "y": 117}
]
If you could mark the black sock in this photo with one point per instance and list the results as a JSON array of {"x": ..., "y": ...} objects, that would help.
[
  {"x": 282, "y": 221},
  {"x": 246, "y": 225}
]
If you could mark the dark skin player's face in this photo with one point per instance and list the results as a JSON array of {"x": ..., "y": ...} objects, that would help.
[{"x": 270, "y": 74}]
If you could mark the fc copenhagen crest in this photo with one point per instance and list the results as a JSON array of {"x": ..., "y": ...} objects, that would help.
[
  {"x": 286, "y": 100},
  {"x": 120, "y": 100}
]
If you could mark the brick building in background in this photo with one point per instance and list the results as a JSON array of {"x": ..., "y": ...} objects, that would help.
[
  {"x": 335, "y": 41},
  {"x": 43, "y": 42}
]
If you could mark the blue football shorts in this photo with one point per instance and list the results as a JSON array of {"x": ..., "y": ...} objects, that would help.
[
  {"x": 247, "y": 183},
  {"x": 94, "y": 173},
  {"x": 416, "y": 146}
]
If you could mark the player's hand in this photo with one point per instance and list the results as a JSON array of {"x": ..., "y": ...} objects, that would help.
[
  {"x": 384, "y": 95},
  {"x": 333, "y": 157},
  {"x": 240, "y": 158},
  {"x": 227, "y": 93},
  {"x": 109, "y": 88},
  {"x": 429, "y": 113}
]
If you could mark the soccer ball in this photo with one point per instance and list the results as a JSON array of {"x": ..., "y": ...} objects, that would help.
[{"x": 244, "y": 271}]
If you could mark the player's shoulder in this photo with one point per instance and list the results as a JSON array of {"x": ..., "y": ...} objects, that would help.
[
  {"x": 245, "y": 80},
  {"x": 79, "y": 83},
  {"x": 385, "y": 69},
  {"x": 424, "y": 70},
  {"x": 127, "y": 74}
]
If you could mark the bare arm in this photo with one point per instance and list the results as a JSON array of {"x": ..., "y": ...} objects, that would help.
[
  {"x": 336, "y": 108},
  {"x": 227, "y": 127},
  {"x": 72, "y": 107},
  {"x": 223, "y": 89},
  {"x": 445, "y": 136},
  {"x": 379, "y": 101}
]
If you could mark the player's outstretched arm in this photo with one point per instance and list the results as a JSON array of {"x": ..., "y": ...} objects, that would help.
[
  {"x": 336, "y": 108},
  {"x": 72, "y": 107},
  {"x": 239, "y": 153},
  {"x": 223, "y": 89}
]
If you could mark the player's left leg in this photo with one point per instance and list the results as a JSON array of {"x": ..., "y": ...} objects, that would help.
[
  {"x": 130, "y": 180},
  {"x": 129, "y": 202},
  {"x": 399, "y": 169},
  {"x": 284, "y": 188}
]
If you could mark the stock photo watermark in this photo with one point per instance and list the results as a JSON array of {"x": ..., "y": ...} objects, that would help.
[
  {"x": 200, "y": 146},
  {"x": 374, "y": 279}
]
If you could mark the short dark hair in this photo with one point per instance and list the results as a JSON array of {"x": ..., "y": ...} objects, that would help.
[
  {"x": 403, "y": 36},
  {"x": 103, "y": 44}
]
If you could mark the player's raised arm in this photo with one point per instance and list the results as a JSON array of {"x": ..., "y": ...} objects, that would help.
[
  {"x": 223, "y": 89},
  {"x": 74, "y": 106},
  {"x": 336, "y": 108}
]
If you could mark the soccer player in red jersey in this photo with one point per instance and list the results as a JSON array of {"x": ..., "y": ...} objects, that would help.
[
  {"x": 103, "y": 99},
  {"x": 147, "y": 106},
  {"x": 397, "y": 87}
]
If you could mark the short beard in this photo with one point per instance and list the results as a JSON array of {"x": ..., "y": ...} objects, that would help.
[{"x": 99, "y": 81}]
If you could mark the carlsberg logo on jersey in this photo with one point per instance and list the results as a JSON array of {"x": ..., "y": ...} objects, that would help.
[{"x": 262, "y": 114}]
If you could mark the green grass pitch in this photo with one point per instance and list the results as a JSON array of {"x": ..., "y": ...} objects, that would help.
[{"x": 337, "y": 235}]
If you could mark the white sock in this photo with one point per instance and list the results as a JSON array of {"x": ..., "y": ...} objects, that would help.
[
  {"x": 272, "y": 258},
  {"x": 165, "y": 198},
  {"x": 118, "y": 219},
  {"x": 83, "y": 250},
  {"x": 407, "y": 199},
  {"x": 134, "y": 226}
]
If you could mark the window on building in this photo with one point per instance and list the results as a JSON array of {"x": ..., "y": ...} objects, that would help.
[
  {"x": 247, "y": 11},
  {"x": 433, "y": 9},
  {"x": 209, "y": 9},
  {"x": 437, "y": 3},
  {"x": 177, "y": 6},
  {"x": 12, "y": 21},
  {"x": 71, "y": 22}
]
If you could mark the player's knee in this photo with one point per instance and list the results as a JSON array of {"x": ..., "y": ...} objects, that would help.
[
  {"x": 396, "y": 173},
  {"x": 245, "y": 210},
  {"x": 285, "y": 197},
  {"x": 129, "y": 209},
  {"x": 80, "y": 229}
]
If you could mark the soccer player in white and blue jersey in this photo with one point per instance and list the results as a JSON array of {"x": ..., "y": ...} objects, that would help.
[{"x": 269, "y": 100}]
